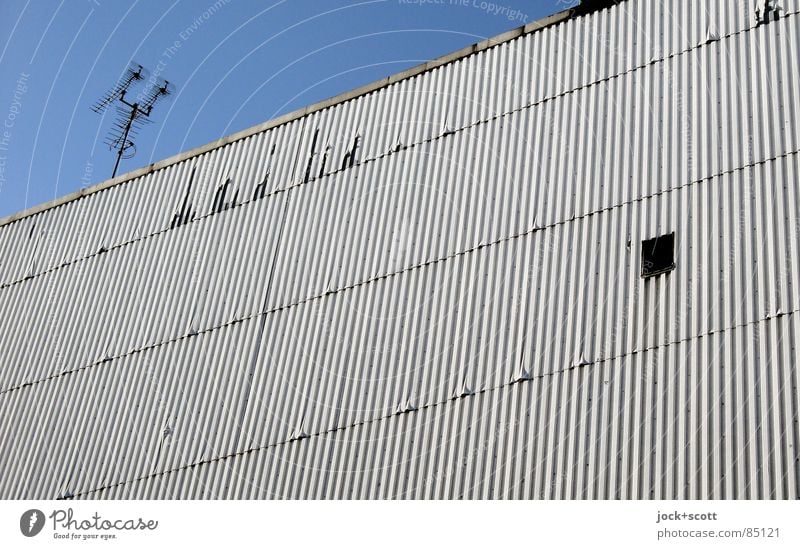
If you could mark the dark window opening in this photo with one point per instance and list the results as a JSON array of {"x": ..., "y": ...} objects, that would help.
[{"x": 658, "y": 255}]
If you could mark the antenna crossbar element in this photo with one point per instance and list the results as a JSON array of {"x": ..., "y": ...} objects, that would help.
[
  {"x": 134, "y": 73},
  {"x": 130, "y": 116}
]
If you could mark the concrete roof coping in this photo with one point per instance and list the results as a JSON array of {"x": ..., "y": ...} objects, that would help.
[{"x": 300, "y": 113}]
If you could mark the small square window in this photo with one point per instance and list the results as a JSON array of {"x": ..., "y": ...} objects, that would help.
[{"x": 658, "y": 255}]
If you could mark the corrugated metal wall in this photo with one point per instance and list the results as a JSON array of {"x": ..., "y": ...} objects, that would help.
[{"x": 432, "y": 290}]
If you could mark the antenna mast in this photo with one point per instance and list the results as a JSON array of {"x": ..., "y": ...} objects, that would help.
[{"x": 131, "y": 116}]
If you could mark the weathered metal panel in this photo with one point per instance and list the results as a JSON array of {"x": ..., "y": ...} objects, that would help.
[
  {"x": 81, "y": 229},
  {"x": 538, "y": 166},
  {"x": 696, "y": 419},
  {"x": 431, "y": 109},
  {"x": 405, "y": 342},
  {"x": 432, "y": 289},
  {"x": 525, "y": 305},
  {"x": 130, "y": 417},
  {"x": 173, "y": 284}
]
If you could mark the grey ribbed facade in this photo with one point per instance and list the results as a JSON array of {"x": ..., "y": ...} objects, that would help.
[{"x": 430, "y": 288}]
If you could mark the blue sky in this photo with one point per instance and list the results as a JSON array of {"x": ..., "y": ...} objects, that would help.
[{"x": 235, "y": 63}]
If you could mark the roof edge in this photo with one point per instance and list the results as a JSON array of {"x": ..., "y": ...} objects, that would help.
[{"x": 507, "y": 36}]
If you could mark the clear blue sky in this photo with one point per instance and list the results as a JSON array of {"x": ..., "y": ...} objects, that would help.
[{"x": 244, "y": 64}]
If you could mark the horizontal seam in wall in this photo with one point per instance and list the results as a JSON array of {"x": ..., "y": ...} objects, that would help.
[
  {"x": 435, "y": 404},
  {"x": 366, "y": 282},
  {"x": 397, "y": 150}
]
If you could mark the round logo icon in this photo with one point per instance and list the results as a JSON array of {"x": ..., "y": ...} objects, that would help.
[{"x": 31, "y": 522}]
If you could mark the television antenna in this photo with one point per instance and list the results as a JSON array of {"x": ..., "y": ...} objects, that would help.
[{"x": 130, "y": 115}]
